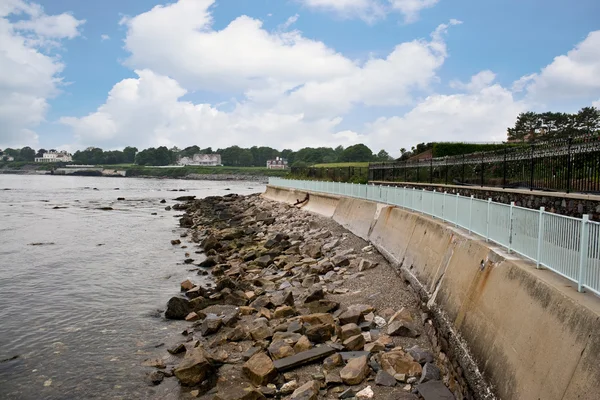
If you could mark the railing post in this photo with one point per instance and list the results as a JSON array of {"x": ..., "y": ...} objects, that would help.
[
  {"x": 412, "y": 200},
  {"x": 487, "y": 223},
  {"x": 422, "y": 202},
  {"x": 471, "y": 213},
  {"x": 510, "y": 226},
  {"x": 532, "y": 168},
  {"x": 433, "y": 204},
  {"x": 540, "y": 237},
  {"x": 583, "y": 251},
  {"x": 444, "y": 206},
  {"x": 456, "y": 217}
]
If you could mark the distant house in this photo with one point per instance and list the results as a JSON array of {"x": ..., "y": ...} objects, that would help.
[
  {"x": 277, "y": 163},
  {"x": 426, "y": 155},
  {"x": 210, "y": 160},
  {"x": 54, "y": 156},
  {"x": 7, "y": 158}
]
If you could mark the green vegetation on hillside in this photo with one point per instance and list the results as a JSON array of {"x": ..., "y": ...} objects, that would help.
[
  {"x": 343, "y": 165},
  {"x": 180, "y": 172}
]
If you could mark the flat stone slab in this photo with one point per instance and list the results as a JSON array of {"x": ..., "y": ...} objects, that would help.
[
  {"x": 348, "y": 355},
  {"x": 435, "y": 390},
  {"x": 302, "y": 358}
]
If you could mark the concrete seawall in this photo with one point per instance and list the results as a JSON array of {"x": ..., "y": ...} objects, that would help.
[{"x": 527, "y": 332}]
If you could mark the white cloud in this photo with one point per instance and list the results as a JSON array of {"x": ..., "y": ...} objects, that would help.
[
  {"x": 371, "y": 10},
  {"x": 368, "y": 10},
  {"x": 294, "y": 91},
  {"x": 575, "y": 75},
  {"x": 477, "y": 82},
  {"x": 148, "y": 111},
  {"x": 104, "y": 37},
  {"x": 411, "y": 8},
  {"x": 483, "y": 114},
  {"x": 63, "y": 26},
  {"x": 290, "y": 21},
  {"x": 29, "y": 77}
]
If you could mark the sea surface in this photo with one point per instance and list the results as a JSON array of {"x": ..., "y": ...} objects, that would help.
[{"x": 81, "y": 289}]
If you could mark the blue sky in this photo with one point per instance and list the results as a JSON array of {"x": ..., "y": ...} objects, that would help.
[{"x": 288, "y": 73}]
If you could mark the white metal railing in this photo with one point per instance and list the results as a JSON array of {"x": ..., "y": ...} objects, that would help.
[{"x": 566, "y": 245}]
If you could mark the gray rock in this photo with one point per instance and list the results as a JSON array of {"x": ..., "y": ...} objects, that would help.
[
  {"x": 430, "y": 373},
  {"x": 434, "y": 390},
  {"x": 401, "y": 328},
  {"x": 384, "y": 379},
  {"x": 210, "y": 325},
  {"x": 347, "y": 394},
  {"x": 420, "y": 355},
  {"x": 315, "y": 295},
  {"x": 305, "y": 357},
  {"x": 308, "y": 391},
  {"x": 178, "y": 308}
]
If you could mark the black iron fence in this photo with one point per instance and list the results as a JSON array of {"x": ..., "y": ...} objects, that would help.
[
  {"x": 336, "y": 174},
  {"x": 568, "y": 165}
]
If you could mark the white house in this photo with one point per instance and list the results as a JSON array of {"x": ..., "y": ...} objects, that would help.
[
  {"x": 277, "y": 163},
  {"x": 54, "y": 156},
  {"x": 210, "y": 160}
]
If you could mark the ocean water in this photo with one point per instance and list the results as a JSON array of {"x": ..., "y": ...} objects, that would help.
[{"x": 81, "y": 288}]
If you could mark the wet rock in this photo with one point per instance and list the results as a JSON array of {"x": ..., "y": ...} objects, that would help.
[
  {"x": 355, "y": 371},
  {"x": 177, "y": 308},
  {"x": 308, "y": 391},
  {"x": 208, "y": 263},
  {"x": 280, "y": 349},
  {"x": 194, "y": 368},
  {"x": 185, "y": 198},
  {"x": 210, "y": 325},
  {"x": 155, "y": 363},
  {"x": 191, "y": 317},
  {"x": 420, "y": 355},
  {"x": 320, "y": 333},
  {"x": 354, "y": 343},
  {"x": 177, "y": 349},
  {"x": 175, "y": 242},
  {"x": 434, "y": 390},
  {"x": 260, "y": 369},
  {"x": 402, "y": 328},
  {"x": 430, "y": 373},
  {"x": 384, "y": 379},
  {"x": 163, "y": 201},
  {"x": 209, "y": 243},
  {"x": 186, "y": 285},
  {"x": 156, "y": 377}
]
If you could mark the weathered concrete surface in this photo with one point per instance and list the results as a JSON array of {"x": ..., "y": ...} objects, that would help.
[
  {"x": 529, "y": 332},
  {"x": 322, "y": 204},
  {"x": 358, "y": 216}
]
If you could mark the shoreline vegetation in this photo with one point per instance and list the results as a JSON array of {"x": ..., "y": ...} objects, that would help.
[{"x": 288, "y": 304}]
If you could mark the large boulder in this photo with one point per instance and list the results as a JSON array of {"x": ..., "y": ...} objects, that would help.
[
  {"x": 178, "y": 308},
  {"x": 260, "y": 369},
  {"x": 194, "y": 368}
]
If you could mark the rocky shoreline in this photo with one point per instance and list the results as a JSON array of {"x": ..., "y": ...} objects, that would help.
[{"x": 297, "y": 308}]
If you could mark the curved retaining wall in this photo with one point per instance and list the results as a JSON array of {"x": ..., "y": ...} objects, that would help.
[{"x": 528, "y": 332}]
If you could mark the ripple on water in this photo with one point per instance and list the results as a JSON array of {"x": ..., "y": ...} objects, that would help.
[{"x": 83, "y": 317}]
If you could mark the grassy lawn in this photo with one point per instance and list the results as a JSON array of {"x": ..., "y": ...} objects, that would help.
[{"x": 341, "y": 165}]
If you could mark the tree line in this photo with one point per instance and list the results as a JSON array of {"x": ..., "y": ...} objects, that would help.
[
  {"x": 234, "y": 156},
  {"x": 531, "y": 126}
]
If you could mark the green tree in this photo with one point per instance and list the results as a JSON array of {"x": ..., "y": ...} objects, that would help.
[
  {"x": 383, "y": 156},
  {"x": 41, "y": 152},
  {"x": 129, "y": 154},
  {"x": 357, "y": 153},
  {"x": 27, "y": 154}
]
